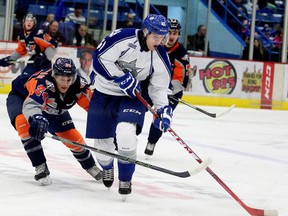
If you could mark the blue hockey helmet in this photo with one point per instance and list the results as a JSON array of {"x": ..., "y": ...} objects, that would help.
[
  {"x": 64, "y": 67},
  {"x": 156, "y": 24}
]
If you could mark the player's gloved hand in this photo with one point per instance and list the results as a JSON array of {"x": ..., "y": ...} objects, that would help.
[
  {"x": 5, "y": 62},
  {"x": 128, "y": 84},
  {"x": 163, "y": 121},
  {"x": 38, "y": 126},
  {"x": 42, "y": 62}
]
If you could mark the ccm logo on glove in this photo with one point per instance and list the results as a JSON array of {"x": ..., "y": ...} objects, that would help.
[{"x": 163, "y": 121}]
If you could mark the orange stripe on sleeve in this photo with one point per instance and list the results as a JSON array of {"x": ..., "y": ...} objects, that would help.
[
  {"x": 179, "y": 71},
  {"x": 21, "y": 49},
  {"x": 43, "y": 44},
  {"x": 31, "y": 86}
]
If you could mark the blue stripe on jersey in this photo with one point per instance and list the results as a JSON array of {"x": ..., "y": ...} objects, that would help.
[
  {"x": 164, "y": 56},
  {"x": 108, "y": 43}
]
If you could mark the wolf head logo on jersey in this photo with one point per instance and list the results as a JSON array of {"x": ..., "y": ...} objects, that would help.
[{"x": 130, "y": 66}]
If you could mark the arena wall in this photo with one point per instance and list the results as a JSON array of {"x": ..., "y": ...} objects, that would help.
[
  {"x": 217, "y": 82},
  {"x": 251, "y": 84}
]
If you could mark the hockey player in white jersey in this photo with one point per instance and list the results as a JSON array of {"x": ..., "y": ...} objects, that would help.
[{"x": 126, "y": 61}]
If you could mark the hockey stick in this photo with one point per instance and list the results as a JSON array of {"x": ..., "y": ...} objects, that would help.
[
  {"x": 251, "y": 211},
  {"x": 21, "y": 61},
  {"x": 213, "y": 115},
  {"x": 183, "y": 174}
]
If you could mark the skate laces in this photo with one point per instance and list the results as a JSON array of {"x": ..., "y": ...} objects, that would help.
[
  {"x": 40, "y": 169},
  {"x": 108, "y": 175}
]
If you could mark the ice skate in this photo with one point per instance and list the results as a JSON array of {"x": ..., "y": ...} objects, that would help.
[
  {"x": 124, "y": 189},
  {"x": 42, "y": 174},
  {"x": 95, "y": 172},
  {"x": 108, "y": 177},
  {"x": 149, "y": 149}
]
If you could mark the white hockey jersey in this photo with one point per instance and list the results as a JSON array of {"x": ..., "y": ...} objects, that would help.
[{"x": 120, "y": 51}]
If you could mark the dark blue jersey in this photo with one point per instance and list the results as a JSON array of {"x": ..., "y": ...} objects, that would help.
[{"x": 44, "y": 95}]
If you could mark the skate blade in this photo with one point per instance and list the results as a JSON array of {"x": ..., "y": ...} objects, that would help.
[
  {"x": 45, "y": 181},
  {"x": 147, "y": 157},
  {"x": 123, "y": 197}
]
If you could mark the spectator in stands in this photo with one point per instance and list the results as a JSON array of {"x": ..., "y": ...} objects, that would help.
[
  {"x": 128, "y": 22},
  {"x": 218, "y": 7},
  {"x": 85, "y": 70},
  {"x": 278, "y": 38},
  {"x": 267, "y": 30},
  {"x": 93, "y": 22},
  {"x": 245, "y": 28},
  {"x": 248, "y": 4},
  {"x": 259, "y": 52},
  {"x": 49, "y": 18},
  {"x": 72, "y": 23},
  {"x": 237, "y": 16},
  {"x": 267, "y": 6},
  {"x": 76, "y": 16},
  {"x": 196, "y": 42},
  {"x": 279, "y": 26},
  {"x": 276, "y": 46},
  {"x": 83, "y": 38},
  {"x": 52, "y": 29}
]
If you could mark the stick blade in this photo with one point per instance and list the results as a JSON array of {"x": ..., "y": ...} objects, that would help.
[
  {"x": 261, "y": 212},
  {"x": 270, "y": 212},
  {"x": 226, "y": 111},
  {"x": 200, "y": 167}
]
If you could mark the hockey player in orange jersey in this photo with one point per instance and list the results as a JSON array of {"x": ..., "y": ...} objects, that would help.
[
  {"x": 46, "y": 109},
  {"x": 40, "y": 48}
]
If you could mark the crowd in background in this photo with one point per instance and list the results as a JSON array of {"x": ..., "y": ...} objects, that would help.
[
  {"x": 70, "y": 31},
  {"x": 268, "y": 32},
  {"x": 73, "y": 29}
]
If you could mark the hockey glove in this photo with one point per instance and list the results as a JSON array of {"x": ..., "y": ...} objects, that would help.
[
  {"x": 163, "y": 121},
  {"x": 128, "y": 84},
  {"x": 5, "y": 62},
  {"x": 38, "y": 126},
  {"x": 41, "y": 62}
]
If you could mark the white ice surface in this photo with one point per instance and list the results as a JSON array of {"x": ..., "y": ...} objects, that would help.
[{"x": 249, "y": 149}]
